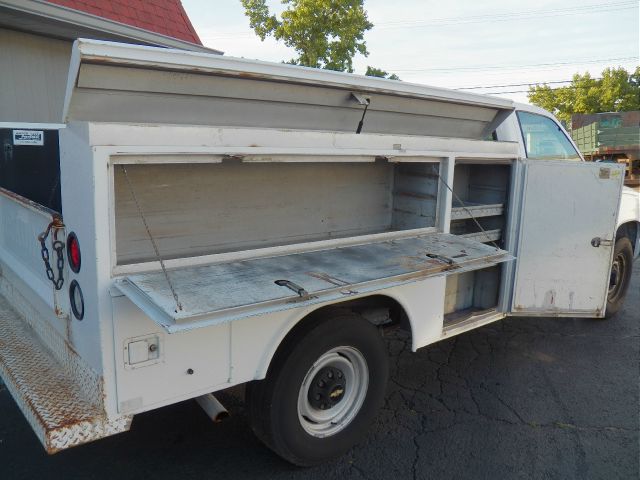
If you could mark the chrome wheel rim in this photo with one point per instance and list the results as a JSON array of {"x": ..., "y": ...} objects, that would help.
[{"x": 328, "y": 403}]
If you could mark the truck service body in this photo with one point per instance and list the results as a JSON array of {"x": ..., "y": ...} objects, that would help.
[{"x": 223, "y": 223}]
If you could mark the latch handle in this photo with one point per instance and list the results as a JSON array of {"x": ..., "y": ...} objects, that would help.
[
  {"x": 597, "y": 242},
  {"x": 292, "y": 286},
  {"x": 442, "y": 258}
]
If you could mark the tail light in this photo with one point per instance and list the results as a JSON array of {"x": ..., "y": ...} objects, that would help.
[{"x": 73, "y": 252}]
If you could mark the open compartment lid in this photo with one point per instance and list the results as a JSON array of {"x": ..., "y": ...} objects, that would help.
[
  {"x": 214, "y": 294},
  {"x": 116, "y": 82}
]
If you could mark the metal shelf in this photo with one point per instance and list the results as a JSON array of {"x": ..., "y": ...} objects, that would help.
[
  {"x": 484, "y": 237},
  {"x": 476, "y": 210}
]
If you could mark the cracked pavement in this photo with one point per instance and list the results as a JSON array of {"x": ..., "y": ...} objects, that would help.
[{"x": 521, "y": 398}]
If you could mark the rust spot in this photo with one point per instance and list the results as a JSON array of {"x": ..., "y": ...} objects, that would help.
[
  {"x": 328, "y": 278},
  {"x": 55, "y": 216}
]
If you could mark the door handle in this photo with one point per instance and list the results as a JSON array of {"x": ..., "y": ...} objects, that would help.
[{"x": 597, "y": 242}]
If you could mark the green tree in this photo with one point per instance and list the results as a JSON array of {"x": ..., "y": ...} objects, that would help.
[
  {"x": 617, "y": 90},
  {"x": 324, "y": 33},
  {"x": 378, "y": 72}
]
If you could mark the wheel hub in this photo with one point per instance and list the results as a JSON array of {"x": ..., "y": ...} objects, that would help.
[
  {"x": 333, "y": 391},
  {"x": 327, "y": 388}
]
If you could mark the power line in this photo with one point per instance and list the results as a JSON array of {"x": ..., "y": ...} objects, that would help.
[
  {"x": 501, "y": 17},
  {"x": 500, "y": 67},
  {"x": 529, "y": 12},
  {"x": 517, "y": 84},
  {"x": 527, "y": 91}
]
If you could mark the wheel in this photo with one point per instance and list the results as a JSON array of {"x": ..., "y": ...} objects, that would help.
[
  {"x": 620, "y": 276},
  {"x": 323, "y": 389}
]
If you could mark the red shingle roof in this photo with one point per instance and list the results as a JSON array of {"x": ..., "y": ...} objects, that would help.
[{"x": 166, "y": 17}]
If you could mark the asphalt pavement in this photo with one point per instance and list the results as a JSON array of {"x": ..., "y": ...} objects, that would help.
[{"x": 522, "y": 398}]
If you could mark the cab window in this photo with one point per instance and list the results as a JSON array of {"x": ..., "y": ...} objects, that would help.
[{"x": 544, "y": 138}]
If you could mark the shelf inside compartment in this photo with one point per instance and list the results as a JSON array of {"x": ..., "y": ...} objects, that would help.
[
  {"x": 481, "y": 194},
  {"x": 469, "y": 294},
  {"x": 464, "y": 317},
  {"x": 475, "y": 210},
  {"x": 494, "y": 235}
]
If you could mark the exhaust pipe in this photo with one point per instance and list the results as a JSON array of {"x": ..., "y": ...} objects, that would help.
[{"x": 212, "y": 407}]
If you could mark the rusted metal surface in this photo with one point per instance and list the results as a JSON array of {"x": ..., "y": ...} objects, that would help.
[
  {"x": 217, "y": 293},
  {"x": 49, "y": 396},
  {"x": 55, "y": 216}
]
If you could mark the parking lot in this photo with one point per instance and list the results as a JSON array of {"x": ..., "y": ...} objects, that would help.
[{"x": 523, "y": 398}]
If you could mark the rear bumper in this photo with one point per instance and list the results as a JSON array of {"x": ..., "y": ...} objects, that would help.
[{"x": 49, "y": 396}]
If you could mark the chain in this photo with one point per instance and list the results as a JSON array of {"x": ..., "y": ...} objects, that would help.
[
  {"x": 58, "y": 247},
  {"x": 153, "y": 242}
]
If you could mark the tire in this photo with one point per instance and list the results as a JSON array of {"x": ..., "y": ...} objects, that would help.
[
  {"x": 620, "y": 276},
  {"x": 348, "y": 354}
]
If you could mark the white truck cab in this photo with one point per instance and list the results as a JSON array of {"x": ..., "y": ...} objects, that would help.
[{"x": 225, "y": 221}]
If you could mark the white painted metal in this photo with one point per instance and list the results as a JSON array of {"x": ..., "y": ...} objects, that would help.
[
  {"x": 239, "y": 351},
  {"x": 558, "y": 270},
  {"x": 33, "y": 126},
  {"x": 124, "y": 54},
  {"x": 21, "y": 223},
  {"x": 147, "y": 139},
  {"x": 110, "y": 82}
]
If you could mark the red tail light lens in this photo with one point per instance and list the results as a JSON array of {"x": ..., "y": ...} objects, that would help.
[{"x": 73, "y": 252}]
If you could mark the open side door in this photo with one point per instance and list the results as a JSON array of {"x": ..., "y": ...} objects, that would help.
[
  {"x": 565, "y": 239},
  {"x": 213, "y": 294}
]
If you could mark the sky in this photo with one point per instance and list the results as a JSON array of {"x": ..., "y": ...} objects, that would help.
[{"x": 502, "y": 45}]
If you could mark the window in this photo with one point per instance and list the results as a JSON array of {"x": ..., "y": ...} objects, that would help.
[{"x": 544, "y": 138}]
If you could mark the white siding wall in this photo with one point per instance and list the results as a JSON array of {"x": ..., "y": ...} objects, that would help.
[{"x": 34, "y": 77}]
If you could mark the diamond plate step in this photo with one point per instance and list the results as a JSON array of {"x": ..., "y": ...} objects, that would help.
[{"x": 49, "y": 397}]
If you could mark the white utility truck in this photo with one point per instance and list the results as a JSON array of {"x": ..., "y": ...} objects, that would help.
[{"x": 225, "y": 221}]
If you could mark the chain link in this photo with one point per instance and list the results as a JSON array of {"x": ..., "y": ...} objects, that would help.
[{"x": 58, "y": 247}]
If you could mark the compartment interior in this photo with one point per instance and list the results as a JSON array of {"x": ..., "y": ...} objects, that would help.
[
  {"x": 483, "y": 190},
  {"x": 200, "y": 209},
  {"x": 471, "y": 293},
  {"x": 481, "y": 193}
]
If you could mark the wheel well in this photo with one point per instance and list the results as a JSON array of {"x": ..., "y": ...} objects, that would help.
[
  {"x": 372, "y": 308},
  {"x": 379, "y": 310},
  {"x": 629, "y": 230}
]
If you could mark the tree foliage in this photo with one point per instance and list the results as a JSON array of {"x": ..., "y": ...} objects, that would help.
[
  {"x": 378, "y": 72},
  {"x": 617, "y": 90},
  {"x": 324, "y": 33}
]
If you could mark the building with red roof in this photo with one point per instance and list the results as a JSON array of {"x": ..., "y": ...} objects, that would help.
[
  {"x": 166, "y": 17},
  {"x": 36, "y": 38}
]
